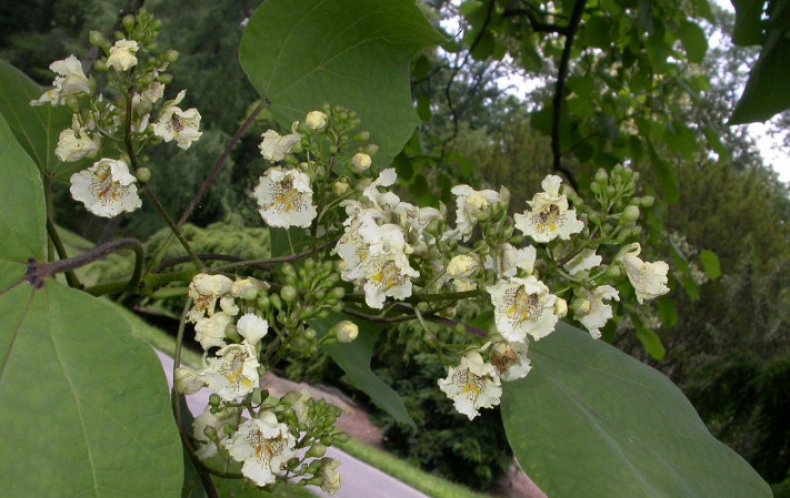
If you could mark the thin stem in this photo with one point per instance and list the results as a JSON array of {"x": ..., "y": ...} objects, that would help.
[
  {"x": 446, "y": 296},
  {"x": 150, "y": 281},
  {"x": 175, "y": 229},
  {"x": 71, "y": 277},
  {"x": 221, "y": 161}
]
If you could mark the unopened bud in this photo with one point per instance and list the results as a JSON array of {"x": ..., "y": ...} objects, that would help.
[
  {"x": 289, "y": 294},
  {"x": 214, "y": 400},
  {"x": 561, "y": 307},
  {"x": 340, "y": 187},
  {"x": 171, "y": 55},
  {"x": 98, "y": 40},
  {"x": 631, "y": 213},
  {"x": 462, "y": 266},
  {"x": 580, "y": 306},
  {"x": 601, "y": 176},
  {"x": 244, "y": 288},
  {"x": 362, "y": 136},
  {"x": 315, "y": 120},
  {"x": 128, "y": 22},
  {"x": 361, "y": 162},
  {"x": 647, "y": 201},
  {"x": 143, "y": 175},
  {"x": 165, "y": 78},
  {"x": 318, "y": 450},
  {"x": 346, "y": 331},
  {"x": 613, "y": 271},
  {"x": 187, "y": 381}
]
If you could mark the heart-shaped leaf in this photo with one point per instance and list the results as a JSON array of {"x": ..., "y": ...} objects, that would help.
[
  {"x": 591, "y": 421},
  {"x": 301, "y": 54}
]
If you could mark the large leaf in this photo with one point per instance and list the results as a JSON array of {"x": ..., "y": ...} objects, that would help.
[
  {"x": 354, "y": 359},
  {"x": 301, "y": 54},
  {"x": 36, "y": 128},
  {"x": 84, "y": 404},
  {"x": 591, "y": 421}
]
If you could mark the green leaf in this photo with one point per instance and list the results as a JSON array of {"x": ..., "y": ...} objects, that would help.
[
  {"x": 666, "y": 176},
  {"x": 354, "y": 359},
  {"x": 86, "y": 408},
  {"x": 301, "y": 54},
  {"x": 694, "y": 41},
  {"x": 591, "y": 421},
  {"x": 767, "y": 91},
  {"x": 710, "y": 263},
  {"x": 36, "y": 128},
  {"x": 681, "y": 139},
  {"x": 748, "y": 23}
]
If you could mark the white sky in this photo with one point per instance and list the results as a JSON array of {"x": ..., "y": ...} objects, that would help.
[{"x": 773, "y": 154}]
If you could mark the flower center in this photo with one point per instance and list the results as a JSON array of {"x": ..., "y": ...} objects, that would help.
[
  {"x": 176, "y": 123},
  {"x": 524, "y": 307},
  {"x": 388, "y": 275},
  {"x": 548, "y": 217}
]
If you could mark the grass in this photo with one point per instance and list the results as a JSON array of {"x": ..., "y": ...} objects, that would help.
[{"x": 431, "y": 485}]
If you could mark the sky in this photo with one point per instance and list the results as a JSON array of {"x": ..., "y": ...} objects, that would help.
[{"x": 774, "y": 155}]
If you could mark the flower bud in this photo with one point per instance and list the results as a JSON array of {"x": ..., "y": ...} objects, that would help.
[
  {"x": 315, "y": 120},
  {"x": 128, "y": 22},
  {"x": 631, "y": 213},
  {"x": 165, "y": 78},
  {"x": 244, "y": 288},
  {"x": 362, "y": 136},
  {"x": 647, "y": 201},
  {"x": 98, "y": 40},
  {"x": 360, "y": 162},
  {"x": 462, "y": 266},
  {"x": 318, "y": 450},
  {"x": 561, "y": 307},
  {"x": 580, "y": 306},
  {"x": 340, "y": 187},
  {"x": 346, "y": 331},
  {"x": 614, "y": 271},
  {"x": 143, "y": 175},
  {"x": 601, "y": 176},
  {"x": 171, "y": 55},
  {"x": 214, "y": 400},
  {"x": 288, "y": 294},
  {"x": 187, "y": 381}
]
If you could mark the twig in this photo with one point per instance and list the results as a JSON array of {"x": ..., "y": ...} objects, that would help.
[
  {"x": 37, "y": 273},
  {"x": 173, "y": 227},
  {"x": 221, "y": 161},
  {"x": 559, "y": 91}
]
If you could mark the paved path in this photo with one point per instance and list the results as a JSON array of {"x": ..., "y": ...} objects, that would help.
[{"x": 360, "y": 480}]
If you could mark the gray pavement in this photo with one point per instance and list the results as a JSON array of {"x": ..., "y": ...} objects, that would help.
[{"x": 360, "y": 480}]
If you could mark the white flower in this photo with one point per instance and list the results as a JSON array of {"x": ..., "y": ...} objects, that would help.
[
  {"x": 387, "y": 275},
  {"x": 330, "y": 477},
  {"x": 106, "y": 189},
  {"x": 649, "y": 279},
  {"x": 177, "y": 124},
  {"x": 549, "y": 216},
  {"x": 252, "y": 328},
  {"x": 471, "y": 206},
  {"x": 211, "y": 332},
  {"x": 233, "y": 373},
  {"x": 153, "y": 93},
  {"x": 123, "y": 55},
  {"x": 386, "y": 178},
  {"x": 71, "y": 80},
  {"x": 274, "y": 146},
  {"x": 510, "y": 359},
  {"x": 285, "y": 198},
  {"x": 585, "y": 260},
  {"x": 472, "y": 385},
  {"x": 204, "y": 291},
  {"x": 523, "y": 306},
  {"x": 264, "y": 446},
  {"x": 508, "y": 260},
  {"x": 315, "y": 120},
  {"x": 74, "y": 145},
  {"x": 187, "y": 381},
  {"x": 599, "y": 312},
  {"x": 361, "y": 162},
  {"x": 216, "y": 422}
]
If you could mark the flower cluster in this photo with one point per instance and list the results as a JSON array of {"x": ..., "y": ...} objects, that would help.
[
  {"x": 244, "y": 425},
  {"x": 116, "y": 126}
]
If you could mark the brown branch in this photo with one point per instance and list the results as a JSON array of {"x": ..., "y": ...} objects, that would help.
[
  {"x": 559, "y": 91},
  {"x": 221, "y": 161}
]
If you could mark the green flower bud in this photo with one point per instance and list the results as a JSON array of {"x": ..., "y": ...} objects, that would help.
[
  {"x": 143, "y": 175},
  {"x": 601, "y": 176},
  {"x": 346, "y": 331},
  {"x": 128, "y": 22},
  {"x": 580, "y": 306},
  {"x": 171, "y": 56},
  {"x": 361, "y": 162},
  {"x": 595, "y": 188},
  {"x": 317, "y": 451},
  {"x": 276, "y": 301},
  {"x": 214, "y": 400},
  {"x": 631, "y": 214},
  {"x": 165, "y": 78},
  {"x": 289, "y": 294},
  {"x": 614, "y": 271},
  {"x": 98, "y": 40},
  {"x": 647, "y": 201}
]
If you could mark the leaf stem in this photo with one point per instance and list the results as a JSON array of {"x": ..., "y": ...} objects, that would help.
[{"x": 175, "y": 229}]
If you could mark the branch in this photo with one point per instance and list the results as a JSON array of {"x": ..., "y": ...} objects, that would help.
[
  {"x": 221, "y": 161},
  {"x": 37, "y": 273},
  {"x": 559, "y": 91},
  {"x": 475, "y": 43},
  {"x": 536, "y": 25}
]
